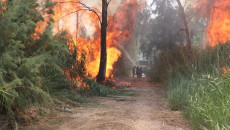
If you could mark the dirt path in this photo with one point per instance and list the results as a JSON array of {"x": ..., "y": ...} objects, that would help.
[{"x": 147, "y": 111}]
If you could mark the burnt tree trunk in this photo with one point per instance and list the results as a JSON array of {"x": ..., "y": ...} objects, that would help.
[
  {"x": 103, "y": 60},
  {"x": 188, "y": 39}
]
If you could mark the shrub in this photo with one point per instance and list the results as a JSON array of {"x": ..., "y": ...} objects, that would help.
[
  {"x": 96, "y": 89},
  {"x": 32, "y": 63}
]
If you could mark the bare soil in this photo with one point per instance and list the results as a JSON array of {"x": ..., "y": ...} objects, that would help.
[{"x": 146, "y": 111}]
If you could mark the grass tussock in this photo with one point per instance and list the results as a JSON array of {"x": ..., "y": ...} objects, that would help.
[{"x": 197, "y": 84}]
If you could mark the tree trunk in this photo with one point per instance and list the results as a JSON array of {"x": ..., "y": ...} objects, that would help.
[
  {"x": 188, "y": 39},
  {"x": 103, "y": 60}
]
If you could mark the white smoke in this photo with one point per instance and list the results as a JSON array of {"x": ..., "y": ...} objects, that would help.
[
  {"x": 85, "y": 20},
  {"x": 113, "y": 6}
]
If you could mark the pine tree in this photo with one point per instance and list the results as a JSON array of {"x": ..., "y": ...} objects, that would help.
[{"x": 29, "y": 65}]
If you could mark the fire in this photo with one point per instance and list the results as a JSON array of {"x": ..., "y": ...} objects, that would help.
[
  {"x": 39, "y": 29},
  {"x": 2, "y": 6},
  {"x": 218, "y": 12},
  {"x": 84, "y": 29},
  {"x": 225, "y": 70}
]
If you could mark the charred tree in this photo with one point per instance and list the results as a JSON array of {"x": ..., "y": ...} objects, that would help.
[
  {"x": 103, "y": 60},
  {"x": 188, "y": 38}
]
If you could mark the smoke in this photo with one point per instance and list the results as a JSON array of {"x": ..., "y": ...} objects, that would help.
[
  {"x": 113, "y": 6},
  {"x": 87, "y": 27},
  {"x": 84, "y": 28}
]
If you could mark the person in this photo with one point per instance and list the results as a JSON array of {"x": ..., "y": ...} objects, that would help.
[
  {"x": 138, "y": 71},
  {"x": 134, "y": 71},
  {"x": 141, "y": 71}
]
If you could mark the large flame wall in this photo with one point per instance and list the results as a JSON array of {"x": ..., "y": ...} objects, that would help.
[
  {"x": 218, "y": 13},
  {"x": 84, "y": 29}
]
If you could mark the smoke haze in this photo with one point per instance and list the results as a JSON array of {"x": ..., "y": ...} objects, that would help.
[{"x": 113, "y": 6}]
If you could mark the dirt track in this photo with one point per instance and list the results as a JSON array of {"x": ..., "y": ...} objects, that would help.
[{"x": 147, "y": 111}]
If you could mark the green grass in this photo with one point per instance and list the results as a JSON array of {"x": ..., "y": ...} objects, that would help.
[
  {"x": 204, "y": 99},
  {"x": 196, "y": 85}
]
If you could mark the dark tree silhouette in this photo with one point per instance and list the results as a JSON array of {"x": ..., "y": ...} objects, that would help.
[{"x": 103, "y": 60}]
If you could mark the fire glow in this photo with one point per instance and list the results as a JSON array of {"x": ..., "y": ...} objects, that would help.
[
  {"x": 218, "y": 12},
  {"x": 119, "y": 30}
]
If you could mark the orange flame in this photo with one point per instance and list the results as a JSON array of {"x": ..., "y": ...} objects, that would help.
[
  {"x": 3, "y": 7},
  {"x": 225, "y": 70},
  {"x": 84, "y": 28},
  {"x": 218, "y": 12}
]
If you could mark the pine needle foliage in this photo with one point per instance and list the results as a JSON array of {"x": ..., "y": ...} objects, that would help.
[{"x": 32, "y": 63}]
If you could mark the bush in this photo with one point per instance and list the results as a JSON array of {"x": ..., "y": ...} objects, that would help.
[
  {"x": 33, "y": 64},
  {"x": 96, "y": 89},
  {"x": 20, "y": 58}
]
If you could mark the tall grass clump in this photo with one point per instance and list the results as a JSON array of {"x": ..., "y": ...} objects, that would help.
[
  {"x": 197, "y": 84},
  {"x": 204, "y": 99}
]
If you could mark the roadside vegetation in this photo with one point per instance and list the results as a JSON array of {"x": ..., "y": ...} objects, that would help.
[
  {"x": 196, "y": 75},
  {"x": 197, "y": 83},
  {"x": 36, "y": 66}
]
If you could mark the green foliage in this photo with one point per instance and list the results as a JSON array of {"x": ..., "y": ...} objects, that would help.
[
  {"x": 20, "y": 79},
  {"x": 177, "y": 93},
  {"x": 204, "y": 100},
  {"x": 96, "y": 89},
  {"x": 32, "y": 66},
  {"x": 197, "y": 85}
]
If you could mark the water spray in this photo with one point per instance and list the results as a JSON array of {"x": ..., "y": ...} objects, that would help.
[{"x": 126, "y": 53}]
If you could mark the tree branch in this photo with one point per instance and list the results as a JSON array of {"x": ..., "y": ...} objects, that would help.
[
  {"x": 71, "y": 13},
  {"x": 108, "y": 2},
  {"x": 185, "y": 3},
  {"x": 95, "y": 11}
]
